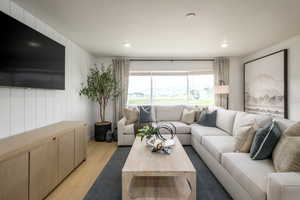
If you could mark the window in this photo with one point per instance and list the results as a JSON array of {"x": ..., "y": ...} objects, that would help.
[
  {"x": 139, "y": 90},
  {"x": 201, "y": 89},
  {"x": 170, "y": 88}
]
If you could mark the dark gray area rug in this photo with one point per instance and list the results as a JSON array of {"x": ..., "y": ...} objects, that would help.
[{"x": 108, "y": 184}]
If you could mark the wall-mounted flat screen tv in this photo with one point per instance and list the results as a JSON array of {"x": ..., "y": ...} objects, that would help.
[{"x": 28, "y": 58}]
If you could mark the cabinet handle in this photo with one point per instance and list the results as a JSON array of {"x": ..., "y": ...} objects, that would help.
[{"x": 54, "y": 138}]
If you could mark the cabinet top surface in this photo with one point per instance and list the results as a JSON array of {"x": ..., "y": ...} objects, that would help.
[
  {"x": 142, "y": 160},
  {"x": 25, "y": 141}
]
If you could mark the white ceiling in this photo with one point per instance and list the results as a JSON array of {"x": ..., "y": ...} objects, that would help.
[{"x": 159, "y": 28}]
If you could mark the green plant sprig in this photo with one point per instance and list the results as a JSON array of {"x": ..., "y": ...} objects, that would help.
[{"x": 147, "y": 131}]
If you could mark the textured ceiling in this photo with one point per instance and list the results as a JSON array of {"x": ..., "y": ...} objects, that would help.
[{"x": 159, "y": 28}]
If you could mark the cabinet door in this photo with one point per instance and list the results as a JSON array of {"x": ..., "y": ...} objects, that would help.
[
  {"x": 14, "y": 178},
  {"x": 66, "y": 146},
  {"x": 43, "y": 169},
  {"x": 81, "y": 144}
]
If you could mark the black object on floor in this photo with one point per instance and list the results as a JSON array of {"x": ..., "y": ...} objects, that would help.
[
  {"x": 101, "y": 129},
  {"x": 108, "y": 185}
]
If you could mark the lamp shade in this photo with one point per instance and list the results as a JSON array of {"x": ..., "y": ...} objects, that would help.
[{"x": 222, "y": 89}]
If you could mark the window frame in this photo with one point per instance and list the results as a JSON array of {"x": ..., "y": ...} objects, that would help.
[{"x": 187, "y": 74}]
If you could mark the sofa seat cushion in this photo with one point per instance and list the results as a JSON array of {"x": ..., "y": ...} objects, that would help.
[
  {"x": 181, "y": 128},
  {"x": 252, "y": 175},
  {"x": 217, "y": 145},
  {"x": 198, "y": 131}
]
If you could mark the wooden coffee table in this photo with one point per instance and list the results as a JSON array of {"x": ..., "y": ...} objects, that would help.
[{"x": 150, "y": 176}]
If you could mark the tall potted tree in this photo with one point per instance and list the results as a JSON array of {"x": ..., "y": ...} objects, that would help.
[{"x": 101, "y": 88}]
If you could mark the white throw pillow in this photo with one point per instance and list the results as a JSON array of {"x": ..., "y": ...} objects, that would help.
[
  {"x": 244, "y": 138},
  {"x": 188, "y": 116},
  {"x": 131, "y": 115}
]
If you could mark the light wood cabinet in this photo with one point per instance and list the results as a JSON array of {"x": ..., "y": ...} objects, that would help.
[
  {"x": 43, "y": 169},
  {"x": 32, "y": 164},
  {"x": 80, "y": 144},
  {"x": 14, "y": 178},
  {"x": 66, "y": 146}
]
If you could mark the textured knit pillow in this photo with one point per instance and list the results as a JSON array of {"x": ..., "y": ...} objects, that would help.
[
  {"x": 265, "y": 141},
  {"x": 244, "y": 137},
  {"x": 145, "y": 114},
  {"x": 188, "y": 116},
  {"x": 286, "y": 155},
  {"x": 131, "y": 115},
  {"x": 208, "y": 118}
]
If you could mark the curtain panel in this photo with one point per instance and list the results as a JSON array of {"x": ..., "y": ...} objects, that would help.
[
  {"x": 121, "y": 73},
  {"x": 221, "y": 67}
]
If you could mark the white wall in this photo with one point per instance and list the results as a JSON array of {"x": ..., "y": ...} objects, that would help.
[
  {"x": 236, "y": 98},
  {"x": 26, "y": 109},
  {"x": 293, "y": 46}
]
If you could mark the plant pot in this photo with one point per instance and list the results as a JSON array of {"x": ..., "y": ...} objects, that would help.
[{"x": 101, "y": 129}]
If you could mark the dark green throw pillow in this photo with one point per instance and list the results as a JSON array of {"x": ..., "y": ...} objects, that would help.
[
  {"x": 265, "y": 141},
  {"x": 208, "y": 119}
]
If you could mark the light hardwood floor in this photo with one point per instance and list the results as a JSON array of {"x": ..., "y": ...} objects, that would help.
[{"x": 77, "y": 184}]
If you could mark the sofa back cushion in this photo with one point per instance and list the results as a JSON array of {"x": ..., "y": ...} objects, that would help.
[
  {"x": 284, "y": 124},
  {"x": 225, "y": 119},
  {"x": 243, "y": 119},
  {"x": 168, "y": 113}
]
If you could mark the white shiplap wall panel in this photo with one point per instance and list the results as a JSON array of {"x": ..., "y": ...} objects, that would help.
[
  {"x": 26, "y": 109},
  {"x": 17, "y": 111},
  {"x": 50, "y": 106},
  {"x": 41, "y": 107},
  {"x": 30, "y": 109},
  {"x": 5, "y": 112},
  {"x": 69, "y": 62}
]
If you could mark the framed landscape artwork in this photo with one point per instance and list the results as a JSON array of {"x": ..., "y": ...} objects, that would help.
[{"x": 266, "y": 85}]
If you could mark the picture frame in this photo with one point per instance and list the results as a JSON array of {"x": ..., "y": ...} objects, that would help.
[{"x": 266, "y": 85}]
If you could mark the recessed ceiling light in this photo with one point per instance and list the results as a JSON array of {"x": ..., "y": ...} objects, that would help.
[
  {"x": 190, "y": 15},
  {"x": 126, "y": 44},
  {"x": 224, "y": 44}
]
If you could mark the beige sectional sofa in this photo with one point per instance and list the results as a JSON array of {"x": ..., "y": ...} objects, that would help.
[
  {"x": 242, "y": 177},
  {"x": 160, "y": 114}
]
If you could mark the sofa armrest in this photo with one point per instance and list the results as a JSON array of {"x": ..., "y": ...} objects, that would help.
[
  {"x": 124, "y": 129},
  {"x": 283, "y": 186},
  {"x": 122, "y": 122},
  {"x": 125, "y": 133}
]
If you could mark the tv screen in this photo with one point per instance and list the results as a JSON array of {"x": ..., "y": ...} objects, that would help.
[{"x": 28, "y": 58}]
